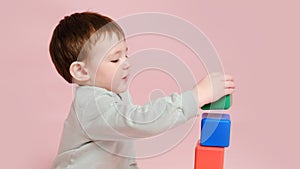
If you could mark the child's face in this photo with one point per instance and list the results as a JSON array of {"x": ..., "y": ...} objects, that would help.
[{"x": 108, "y": 65}]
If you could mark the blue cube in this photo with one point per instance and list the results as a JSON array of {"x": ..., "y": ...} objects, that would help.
[{"x": 215, "y": 130}]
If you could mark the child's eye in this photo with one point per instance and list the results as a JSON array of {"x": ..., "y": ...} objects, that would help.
[
  {"x": 126, "y": 56},
  {"x": 115, "y": 61}
]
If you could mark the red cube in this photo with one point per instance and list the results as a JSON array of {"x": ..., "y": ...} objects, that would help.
[{"x": 208, "y": 157}]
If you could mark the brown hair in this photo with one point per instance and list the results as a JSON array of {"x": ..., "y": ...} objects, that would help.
[{"x": 72, "y": 33}]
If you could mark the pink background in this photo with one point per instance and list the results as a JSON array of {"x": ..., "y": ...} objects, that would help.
[{"x": 258, "y": 42}]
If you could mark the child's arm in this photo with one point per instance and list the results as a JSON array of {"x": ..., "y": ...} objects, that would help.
[{"x": 111, "y": 119}]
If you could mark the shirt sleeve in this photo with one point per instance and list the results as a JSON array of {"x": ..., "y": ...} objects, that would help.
[{"x": 106, "y": 117}]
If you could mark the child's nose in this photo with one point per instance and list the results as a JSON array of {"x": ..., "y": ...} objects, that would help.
[{"x": 126, "y": 65}]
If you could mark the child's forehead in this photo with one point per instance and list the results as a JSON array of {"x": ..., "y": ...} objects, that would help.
[{"x": 108, "y": 44}]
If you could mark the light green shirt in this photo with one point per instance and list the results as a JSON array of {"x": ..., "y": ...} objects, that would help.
[{"x": 101, "y": 127}]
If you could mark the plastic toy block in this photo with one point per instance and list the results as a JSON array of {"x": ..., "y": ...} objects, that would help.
[
  {"x": 215, "y": 130},
  {"x": 222, "y": 104},
  {"x": 208, "y": 157}
]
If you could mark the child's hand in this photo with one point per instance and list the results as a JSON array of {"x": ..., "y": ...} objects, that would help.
[{"x": 213, "y": 87}]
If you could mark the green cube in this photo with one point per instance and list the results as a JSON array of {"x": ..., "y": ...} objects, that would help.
[{"x": 222, "y": 104}]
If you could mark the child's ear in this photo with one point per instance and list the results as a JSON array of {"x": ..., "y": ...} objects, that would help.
[{"x": 79, "y": 71}]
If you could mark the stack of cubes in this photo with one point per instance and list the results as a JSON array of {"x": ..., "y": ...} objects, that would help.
[{"x": 214, "y": 137}]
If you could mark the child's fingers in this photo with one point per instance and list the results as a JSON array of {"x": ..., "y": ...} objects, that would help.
[
  {"x": 229, "y": 91},
  {"x": 229, "y": 84},
  {"x": 223, "y": 77},
  {"x": 229, "y": 77}
]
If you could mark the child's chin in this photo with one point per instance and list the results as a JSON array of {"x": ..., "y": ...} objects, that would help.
[
  {"x": 121, "y": 89},
  {"x": 124, "y": 89}
]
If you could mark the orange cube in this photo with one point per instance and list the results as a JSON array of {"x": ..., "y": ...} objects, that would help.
[{"x": 208, "y": 157}]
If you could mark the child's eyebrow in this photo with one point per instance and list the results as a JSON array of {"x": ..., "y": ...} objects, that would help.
[{"x": 119, "y": 51}]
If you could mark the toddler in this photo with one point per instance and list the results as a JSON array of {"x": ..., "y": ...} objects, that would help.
[{"x": 89, "y": 49}]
